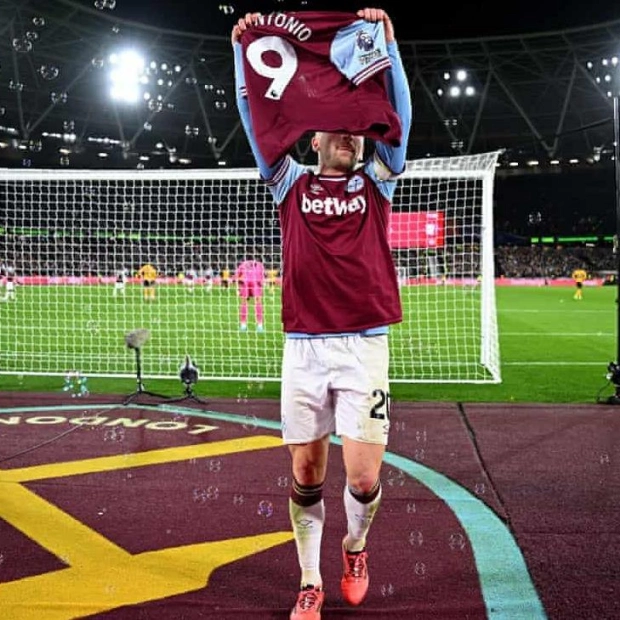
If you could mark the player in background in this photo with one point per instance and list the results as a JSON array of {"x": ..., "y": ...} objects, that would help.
[
  {"x": 119, "y": 283},
  {"x": 209, "y": 279},
  {"x": 339, "y": 296},
  {"x": 148, "y": 274},
  {"x": 272, "y": 280},
  {"x": 225, "y": 277},
  {"x": 9, "y": 284},
  {"x": 579, "y": 277},
  {"x": 189, "y": 280},
  {"x": 250, "y": 276}
]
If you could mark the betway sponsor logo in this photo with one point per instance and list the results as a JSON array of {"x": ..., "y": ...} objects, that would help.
[{"x": 332, "y": 206}]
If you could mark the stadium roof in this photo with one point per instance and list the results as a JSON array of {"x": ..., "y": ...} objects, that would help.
[{"x": 535, "y": 97}]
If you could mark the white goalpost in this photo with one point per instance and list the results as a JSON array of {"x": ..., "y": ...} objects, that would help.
[{"x": 66, "y": 236}]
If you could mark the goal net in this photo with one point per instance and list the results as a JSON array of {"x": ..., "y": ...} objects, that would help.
[{"x": 72, "y": 244}]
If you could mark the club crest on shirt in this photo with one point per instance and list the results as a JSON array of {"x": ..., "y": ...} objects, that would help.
[{"x": 355, "y": 184}]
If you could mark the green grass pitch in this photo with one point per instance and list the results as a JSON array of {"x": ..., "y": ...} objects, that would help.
[{"x": 552, "y": 347}]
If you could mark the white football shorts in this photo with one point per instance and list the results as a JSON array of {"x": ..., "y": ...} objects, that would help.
[{"x": 335, "y": 385}]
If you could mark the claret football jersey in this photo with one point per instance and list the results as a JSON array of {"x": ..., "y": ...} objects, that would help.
[
  {"x": 316, "y": 71},
  {"x": 336, "y": 260}
]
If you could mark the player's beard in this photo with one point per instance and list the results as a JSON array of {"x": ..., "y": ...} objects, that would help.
[{"x": 343, "y": 160}]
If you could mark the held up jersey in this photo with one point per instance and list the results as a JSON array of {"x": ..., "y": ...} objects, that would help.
[
  {"x": 316, "y": 71},
  {"x": 337, "y": 269}
]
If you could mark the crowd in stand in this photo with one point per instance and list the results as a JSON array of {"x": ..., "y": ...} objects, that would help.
[
  {"x": 550, "y": 262},
  {"x": 100, "y": 257},
  {"x": 68, "y": 256}
]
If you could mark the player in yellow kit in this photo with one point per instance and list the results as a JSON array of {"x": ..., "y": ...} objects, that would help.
[
  {"x": 579, "y": 276},
  {"x": 272, "y": 280},
  {"x": 148, "y": 274}
]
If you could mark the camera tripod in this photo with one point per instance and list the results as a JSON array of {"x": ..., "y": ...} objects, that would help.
[
  {"x": 188, "y": 375},
  {"x": 188, "y": 394},
  {"x": 140, "y": 389}
]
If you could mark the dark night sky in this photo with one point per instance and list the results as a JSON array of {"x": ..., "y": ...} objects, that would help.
[{"x": 428, "y": 20}]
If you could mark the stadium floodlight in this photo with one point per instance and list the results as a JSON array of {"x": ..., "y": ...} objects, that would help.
[
  {"x": 455, "y": 90},
  {"x": 456, "y": 84},
  {"x": 606, "y": 75},
  {"x": 127, "y": 76}
]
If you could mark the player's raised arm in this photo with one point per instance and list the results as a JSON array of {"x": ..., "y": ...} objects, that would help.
[
  {"x": 242, "y": 103},
  {"x": 398, "y": 91}
]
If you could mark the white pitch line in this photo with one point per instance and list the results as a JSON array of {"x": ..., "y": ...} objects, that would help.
[
  {"x": 564, "y": 310},
  {"x": 557, "y": 334},
  {"x": 555, "y": 363}
]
